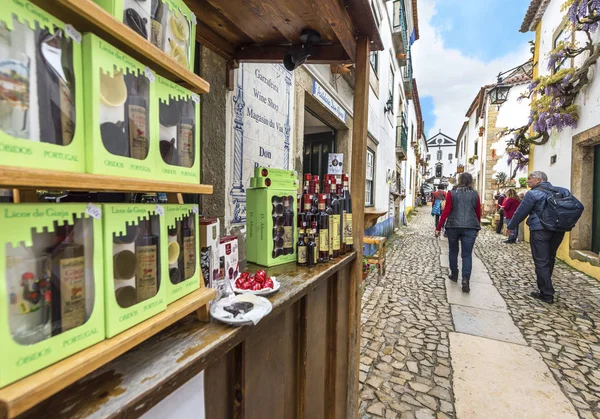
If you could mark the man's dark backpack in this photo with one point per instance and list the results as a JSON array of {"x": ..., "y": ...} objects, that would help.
[{"x": 560, "y": 212}]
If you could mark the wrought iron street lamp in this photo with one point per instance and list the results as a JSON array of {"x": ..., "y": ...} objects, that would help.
[
  {"x": 511, "y": 147},
  {"x": 499, "y": 94}
]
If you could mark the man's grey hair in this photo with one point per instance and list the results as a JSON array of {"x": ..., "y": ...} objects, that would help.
[{"x": 539, "y": 175}]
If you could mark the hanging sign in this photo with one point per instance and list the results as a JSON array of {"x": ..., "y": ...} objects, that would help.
[
  {"x": 336, "y": 162},
  {"x": 325, "y": 98}
]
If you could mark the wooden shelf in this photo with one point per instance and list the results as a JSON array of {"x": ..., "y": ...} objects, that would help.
[
  {"x": 24, "y": 178},
  {"x": 138, "y": 380},
  {"x": 86, "y": 16},
  {"x": 26, "y": 393}
]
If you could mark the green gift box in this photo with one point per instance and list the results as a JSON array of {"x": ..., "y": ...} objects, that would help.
[
  {"x": 41, "y": 90},
  {"x": 51, "y": 287},
  {"x": 271, "y": 209},
  {"x": 182, "y": 253},
  {"x": 168, "y": 24},
  {"x": 120, "y": 105},
  {"x": 178, "y": 133},
  {"x": 135, "y": 242}
]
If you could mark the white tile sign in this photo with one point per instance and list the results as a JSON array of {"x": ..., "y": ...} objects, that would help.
[
  {"x": 325, "y": 98},
  {"x": 261, "y": 127}
]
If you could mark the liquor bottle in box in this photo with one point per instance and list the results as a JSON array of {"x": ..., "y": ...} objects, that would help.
[{"x": 271, "y": 211}]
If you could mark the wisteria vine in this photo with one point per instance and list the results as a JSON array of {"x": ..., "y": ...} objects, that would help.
[{"x": 553, "y": 97}]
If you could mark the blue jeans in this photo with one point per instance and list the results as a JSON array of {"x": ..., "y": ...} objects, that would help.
[
  {"x": 512, "y": 236},
  {"x": 466, "y": 237}
]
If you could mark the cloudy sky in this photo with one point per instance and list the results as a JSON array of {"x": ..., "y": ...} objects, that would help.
[{"x": 463, "y": 45}]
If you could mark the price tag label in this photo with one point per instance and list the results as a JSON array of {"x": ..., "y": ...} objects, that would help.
[
  {"x": 195, "y": 98},
  {"x": 149, "y": 74},
  {"x": 73, "y": 33},
  {"x": 195, "y": 209},
  {"x": 160, "y": 210},
  {"x": 94, "y": 211}
]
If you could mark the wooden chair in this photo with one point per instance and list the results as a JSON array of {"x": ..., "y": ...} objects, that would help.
[{"x": 380, "y": 256}]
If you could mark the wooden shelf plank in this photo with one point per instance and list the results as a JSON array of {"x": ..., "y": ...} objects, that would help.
[
  {"x": 24, "y": 178},
  {"x": 26, "y": 393},
  {"x": 133, "y": 383},
  {"x": 87, "y": 16}
]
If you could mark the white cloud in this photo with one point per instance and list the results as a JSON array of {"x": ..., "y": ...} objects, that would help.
[{"x": 449, "y": 76}]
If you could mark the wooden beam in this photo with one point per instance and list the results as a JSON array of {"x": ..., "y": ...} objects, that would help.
[
  {"x": 321, "y": 54},
  {"x": 214, "y": 42},
  {"x": 338, "y": 19},
  {"x": 357, "y": 171}
]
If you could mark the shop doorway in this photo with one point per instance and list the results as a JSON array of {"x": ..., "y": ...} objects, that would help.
[
  {"x": 596, "y": 202},
  {"x": 319, "y": 141}
]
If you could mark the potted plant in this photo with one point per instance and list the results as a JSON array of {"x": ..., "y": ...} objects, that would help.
[{"x": 367, "y": 268}]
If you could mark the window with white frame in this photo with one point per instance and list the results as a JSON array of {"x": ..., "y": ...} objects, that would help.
[
  {"x": 369, "y": 192},
  {"x": 374, "y": 58},
  {"x": 564, "y": 35},
  {"x": 439, "y": 155},
  {"x": 450, "y": 156},
  {"x": 376, "y": 13}
]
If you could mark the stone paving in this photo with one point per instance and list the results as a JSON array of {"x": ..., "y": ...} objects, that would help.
[
  {"x": 406, "y": 320},
  {"x": 406, "y": 368},
  {"x": 567, "y": 333}
]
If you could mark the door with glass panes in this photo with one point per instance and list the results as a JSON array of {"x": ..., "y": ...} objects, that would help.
[{"x": 316, "y": 152}]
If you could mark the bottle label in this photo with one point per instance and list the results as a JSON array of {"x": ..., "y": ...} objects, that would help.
[
  {"x": 348, "y": 228},
  {"x": 138, "y": 139},
  {"x": 288, "y": 237},
  {"x": 146, "y": 276},
  {"x": 324, "y": 240},
  {"x": 316, "y": 254},
  {"x": 302, "y": 254},
  {"x": 335, "y": 231},
  {"x": 189, "y": 257},
  {"x": 330, "y": 235},
  {"x": 185, "y": 145},
  {"x": 317, "y": 240},
  {"x": 72, "y": 292},
  {"x": 307, "y": 207}
]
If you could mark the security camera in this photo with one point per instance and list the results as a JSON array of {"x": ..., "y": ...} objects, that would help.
[{"x": 293, "y": 60}]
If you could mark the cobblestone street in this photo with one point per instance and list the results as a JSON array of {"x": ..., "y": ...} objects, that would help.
[{"x": 430, "y": 351}]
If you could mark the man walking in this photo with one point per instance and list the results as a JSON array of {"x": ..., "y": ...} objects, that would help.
[{"x": 544, "y": 243}]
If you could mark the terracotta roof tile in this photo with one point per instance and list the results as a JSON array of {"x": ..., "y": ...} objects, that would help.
[{"x": 534, "y": 14}]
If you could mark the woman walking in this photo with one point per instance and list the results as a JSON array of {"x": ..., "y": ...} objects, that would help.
[
  {"x": 510, "y": 206},
  {"x": 462, "y": 216},
  {"x": 438, "y": 199}
]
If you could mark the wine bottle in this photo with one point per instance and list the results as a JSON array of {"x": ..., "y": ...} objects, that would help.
[
  {"x": 67, "y": 282},
  {"x": 329, "y": 211},
  {"x": 156, "y": 30},
  {"x": 137, "y": 115},
  {"x": 288, "y": 226},
  {"x": 185, "y": 135},
  {"x": 312, "y": 256},
  {"x": 347, "y": 215},
  {"x": 323, "y": 231},
  {"x": 147, "y": 274},
  {"x": 301, "y": 248},
  {"x": 339, "y": 208},
  {"x": 189, "y": 247}
]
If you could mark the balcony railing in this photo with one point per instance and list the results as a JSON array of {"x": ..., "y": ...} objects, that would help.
[
  {"x": 407, "y": 77},
  {"x": 400, "y": 31},
  {"x": 402, "y": 138}
]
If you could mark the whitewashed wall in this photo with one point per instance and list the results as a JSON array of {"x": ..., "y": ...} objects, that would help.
[
  {"x": 513, "y": 113},
  {"x": 259, "y": 130},
  {"x": 382, "y": 125},
  {"x": 560, "y": 144}
]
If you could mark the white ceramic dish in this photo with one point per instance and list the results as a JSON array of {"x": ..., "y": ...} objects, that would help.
[
  {"x": 263, "y": 293},
  {"x": 261, "y": 307}
]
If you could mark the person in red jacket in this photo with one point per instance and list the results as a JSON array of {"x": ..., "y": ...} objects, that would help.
[
  {"x": 462, "y": 217},
  {"x": 510, "y": 205}
]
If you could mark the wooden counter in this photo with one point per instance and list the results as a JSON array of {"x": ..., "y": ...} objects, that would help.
[{"x": 294, "y": 363}]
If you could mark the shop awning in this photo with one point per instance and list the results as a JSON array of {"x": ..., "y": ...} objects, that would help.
[{"x": 264, "y": 31}]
